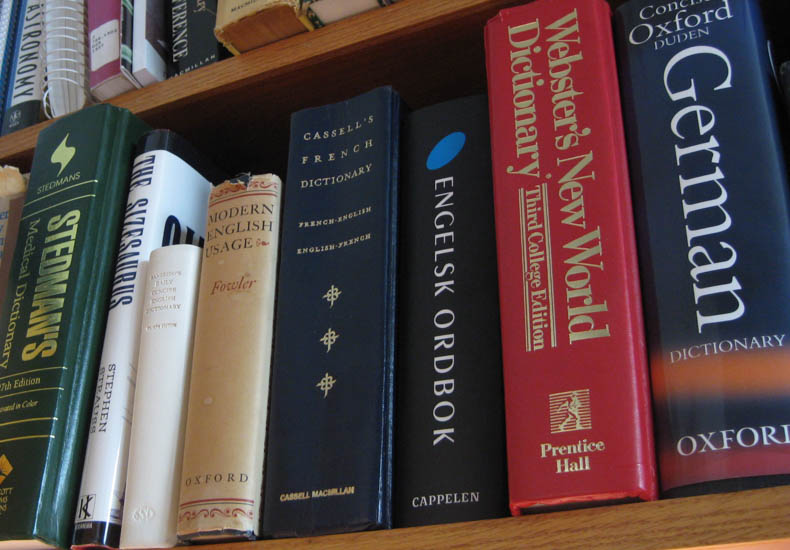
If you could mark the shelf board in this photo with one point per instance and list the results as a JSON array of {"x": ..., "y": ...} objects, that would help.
[{"x": 727, "y": 518}]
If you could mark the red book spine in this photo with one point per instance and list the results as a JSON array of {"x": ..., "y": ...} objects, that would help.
[{"x": 579, "y": 425}]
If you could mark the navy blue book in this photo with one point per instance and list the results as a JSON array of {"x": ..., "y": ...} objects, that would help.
[
  {"x": 24, "y": 92},
  {"x": 9, "y": 14},
  {"x": 329, "y": 451},
  {"x": 713, "y": 230},
  {"x": 450, "y": 460}
]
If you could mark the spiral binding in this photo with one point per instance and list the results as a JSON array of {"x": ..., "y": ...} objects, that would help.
[{"x": 66, "y": 87}]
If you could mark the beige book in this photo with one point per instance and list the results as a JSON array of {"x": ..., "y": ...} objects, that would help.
[
  {"x": 243, "y": 25},
  {"x": 222, "y": 473},
  {"x": 13, "y": 186},
  {"x": 160, "y": 398}
]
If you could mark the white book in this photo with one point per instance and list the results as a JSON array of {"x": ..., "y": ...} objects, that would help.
[
  {"x": 160, "y": 398},
  {"x": 149, "y": 43},
  {"x": 324, "y": 12},
  {"x": 167, "y": 204},
  {"x": 65, "y": 57}
]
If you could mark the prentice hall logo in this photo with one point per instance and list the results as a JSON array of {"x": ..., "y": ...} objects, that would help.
[
  {"x": 570, "y": 411},
  {"x": 445, "y": 150},
  {"x": 63, "y": 154}
]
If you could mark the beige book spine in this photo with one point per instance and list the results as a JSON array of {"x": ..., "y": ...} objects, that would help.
[
  {"x": 160, "y": 397},
  {"x": 222, "y": 473},
  {"x": 243, "y": 25}
]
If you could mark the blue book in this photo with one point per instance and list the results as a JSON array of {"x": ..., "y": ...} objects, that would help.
[
  {"x": 329, "y": 455},
  {"x": 24, "y": 93},
  {"x": 9, "y": 14},
  {"x": 711, "y": 199}
]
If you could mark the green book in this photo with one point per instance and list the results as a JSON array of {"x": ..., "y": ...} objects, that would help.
[{"x": 53, "y": 319}]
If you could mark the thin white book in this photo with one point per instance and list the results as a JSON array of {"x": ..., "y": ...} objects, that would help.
[
  {"x": 150, "y": 42},
  {"x": 160, "y": 399},
  {"x": 324, "y": 12},
  {"x": 167, "y": 204},
  {"x": 65, "y": 57}
]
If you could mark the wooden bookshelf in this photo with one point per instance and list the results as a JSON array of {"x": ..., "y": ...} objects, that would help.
[
  {"x": 237, "y": 111},
  {"x": 747, "y": 516}
]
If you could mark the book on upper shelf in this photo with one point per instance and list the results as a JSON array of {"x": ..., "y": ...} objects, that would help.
[
  {"x": 243, "y": 25},
  {"x": 13, "y": 186},
  {"x": 65, "y": 82},
  {"x": 156, "y": 441},
  {"x": 192, "y": 40},
  {"x": 166, "y": 204},
  {"x": 450, "y": 462},
  {"x": 222, "y": 471},
  {"x": 320, "y": 13},
  {"x": 329, "y": 456},
  {"x": 711, "y": 197},
  {"x": 53, "y": 318},
  {"x": 150, "y": 41},
  {"x": 110, "y": 35},
  {"x": 23, "y": 100},
  {"x": 577, "y": 401},
  {"x": 9, "y": 14}
]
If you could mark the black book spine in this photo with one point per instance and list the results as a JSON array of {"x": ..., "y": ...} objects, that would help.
[
  {"x": 450, "y": 427},
  {"x": 192, "y": 39}
]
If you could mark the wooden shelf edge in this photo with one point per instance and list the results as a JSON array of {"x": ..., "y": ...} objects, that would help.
[
  {"x": 727, "y": 518},
  {"x": 218, "y": 81}
]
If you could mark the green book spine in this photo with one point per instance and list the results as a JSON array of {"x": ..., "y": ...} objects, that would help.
[{"x": 53, "y": 317}]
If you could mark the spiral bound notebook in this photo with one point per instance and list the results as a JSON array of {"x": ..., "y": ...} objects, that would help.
[{"x": 65, "y": 57}]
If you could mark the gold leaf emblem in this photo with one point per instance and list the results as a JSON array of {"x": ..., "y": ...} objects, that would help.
[{"x": 326, "y": 384}]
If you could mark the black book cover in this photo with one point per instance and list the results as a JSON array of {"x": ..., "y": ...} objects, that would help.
[
  {"x": 450, "y": 460},
  {"x": 712, "y": 211},
  {"x": 192, "y": 39},
  {"x": 329, "y": 451}
]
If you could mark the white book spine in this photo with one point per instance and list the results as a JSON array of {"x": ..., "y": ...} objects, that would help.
[
  {"x": 160, "y": 400},
  {"x": 164, "y": 191},
  {"x": 149, "y": 42},
  {"x": 329, "y": 11}
]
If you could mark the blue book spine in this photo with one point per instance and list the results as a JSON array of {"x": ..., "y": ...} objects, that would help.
[
  {"x": 23, "y": 97},
  {"x": 9, "y": 15},
  {"x": 329, "y": 455},
  {"x": 711, "y": 198}
]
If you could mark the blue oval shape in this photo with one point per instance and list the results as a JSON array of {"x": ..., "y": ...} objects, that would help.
[{"x": 446, "y": 150}]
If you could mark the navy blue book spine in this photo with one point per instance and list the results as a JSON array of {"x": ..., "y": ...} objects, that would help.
[
  {"x": 329, "y": 451},
  {"x": 7, "y": 54},
  {"x": 23, "y": 95},
  {"x": 450, "y": 460},
  {"x": 713, "y": 228}
]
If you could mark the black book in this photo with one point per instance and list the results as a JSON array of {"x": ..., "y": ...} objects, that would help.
[
  {"x": 192, "y": 39},
  {"x": 329, "y": 451},
  {"x": 449, "y": 417}
]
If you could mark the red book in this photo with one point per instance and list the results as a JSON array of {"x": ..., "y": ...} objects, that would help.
[{"x": 579, "y": 426}]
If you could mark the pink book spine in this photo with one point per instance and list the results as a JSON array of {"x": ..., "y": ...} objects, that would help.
[{"x": 104, "y": 32}]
